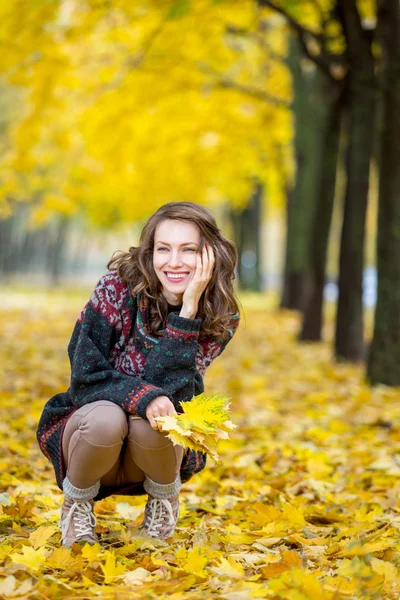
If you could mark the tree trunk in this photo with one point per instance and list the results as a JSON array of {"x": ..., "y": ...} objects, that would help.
[
  {"x": 313, "y": 312},
  {"x": 384, "y": 356},
  {"x": 349, "y": 339},
  {"x": 308, "y": 108},
  {"x": 247, "y": 227},
  {"x": 56, "y": 257},
  {"x": 293, "y": 289}
]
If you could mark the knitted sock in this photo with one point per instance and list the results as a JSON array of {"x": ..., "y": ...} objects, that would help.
[
  {"x": 162, "y": 491},
  {"x": 80, "y": 494}
]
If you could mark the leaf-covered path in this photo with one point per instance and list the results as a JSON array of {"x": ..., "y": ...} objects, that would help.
[{"x": 304, "y": 505}]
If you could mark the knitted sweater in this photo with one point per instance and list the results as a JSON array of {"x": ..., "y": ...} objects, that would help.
[{"x": 114, "y": 357}]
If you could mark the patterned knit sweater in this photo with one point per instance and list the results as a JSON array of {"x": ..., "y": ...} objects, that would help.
[{"x": 114, "y": 357}]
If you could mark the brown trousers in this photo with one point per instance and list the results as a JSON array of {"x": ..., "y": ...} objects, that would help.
[{"x": 102, "y": 442}]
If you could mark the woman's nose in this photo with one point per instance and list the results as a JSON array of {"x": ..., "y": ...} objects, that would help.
[{"x": 175, "y": 259}]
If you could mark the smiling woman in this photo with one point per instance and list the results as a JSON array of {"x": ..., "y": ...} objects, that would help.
[{"x": 156, "y": 320}]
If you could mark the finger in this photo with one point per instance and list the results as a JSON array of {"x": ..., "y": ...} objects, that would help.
[
  {"x": 211, "y": 260},
  {"x": 163, "y": 413},
  {"x": 205, "y": 260},
  {"x": 152, "y": 422},
  {"x": 209, "y": 264},
  {"x": 199, "y": 266}
]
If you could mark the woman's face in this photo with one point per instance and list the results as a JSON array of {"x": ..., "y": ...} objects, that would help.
[{"x": 174, "y": 258}]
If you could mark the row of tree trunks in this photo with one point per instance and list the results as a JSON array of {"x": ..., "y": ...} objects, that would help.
[
  {"x": 25, "y": 250},
  {"x": 310, "y": 209},
  {"x": 384, "y": 356},
  {"x": 306, "y": 292}
]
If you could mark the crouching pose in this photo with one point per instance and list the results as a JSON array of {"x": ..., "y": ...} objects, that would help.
[{"x": 154, "y": 323}]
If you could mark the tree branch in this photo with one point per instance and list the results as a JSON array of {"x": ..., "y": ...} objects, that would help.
[
  {"x": 324, "y": 60},
  {"x": 357, "y": 39},
  {"x": 292, "y": 22},
  {"x": 253, "y": 92}
]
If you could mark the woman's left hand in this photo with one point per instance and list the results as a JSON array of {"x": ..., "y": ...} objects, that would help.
[{"x": 201, "y": 278}]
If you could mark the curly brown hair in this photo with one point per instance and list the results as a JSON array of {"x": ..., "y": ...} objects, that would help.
[{"x": 218, "y": 302}]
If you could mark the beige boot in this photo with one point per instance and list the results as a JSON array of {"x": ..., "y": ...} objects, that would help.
[
  {"x": 162, "y": 508},
  {"x": 77, "y": 522},
  {"x": 161, "y": 516}
]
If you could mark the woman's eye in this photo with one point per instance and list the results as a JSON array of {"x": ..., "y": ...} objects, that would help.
[{"x": 162, "y": 248}]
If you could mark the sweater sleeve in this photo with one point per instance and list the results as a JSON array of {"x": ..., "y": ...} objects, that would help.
[
  {"x": 92, "y": 375},
  {"x": 209, "y": 348},
  {"x": 178, "y": 362}
]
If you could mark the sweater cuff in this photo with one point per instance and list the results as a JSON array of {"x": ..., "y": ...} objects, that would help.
[
  {"x": 139, "y": 399},
  {"x": 181, "y": 327}
]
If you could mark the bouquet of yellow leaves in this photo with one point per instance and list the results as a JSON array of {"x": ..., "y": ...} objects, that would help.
[{"x": 205, "y": 420}]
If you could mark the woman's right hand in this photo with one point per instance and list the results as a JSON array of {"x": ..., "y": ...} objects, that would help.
[{"x": 159, "y": 407}]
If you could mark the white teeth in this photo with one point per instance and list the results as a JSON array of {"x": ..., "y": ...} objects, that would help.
[{"x": 171, "y": 276}]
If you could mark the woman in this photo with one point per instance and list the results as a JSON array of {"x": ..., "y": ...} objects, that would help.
[{"x": 140, "y": 348}]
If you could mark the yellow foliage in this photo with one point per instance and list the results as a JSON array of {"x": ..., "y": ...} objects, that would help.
[
  {"x": 270, "y": 520},
  {"x": 30, "y": 557},
  {"x": 123, "y": 107},
  {"x": 194, "y": 561},
  {"x": 229, "y": 568},
  {"x": 203, "y": 422},
  {"x": 110, "y": 569},
  {"x": 39, "y": 537}
]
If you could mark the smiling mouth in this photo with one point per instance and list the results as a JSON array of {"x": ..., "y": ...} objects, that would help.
[{"x": 175, "y": 277}]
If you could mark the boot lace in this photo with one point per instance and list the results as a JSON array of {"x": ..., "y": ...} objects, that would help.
[
  {"x": 158, "y": 511},
  {"x": 82, "y": 517}
]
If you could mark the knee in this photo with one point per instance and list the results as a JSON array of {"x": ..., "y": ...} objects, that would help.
[
  {"x": 105, "y": 425},
  {"x": 142, "y": 433}
]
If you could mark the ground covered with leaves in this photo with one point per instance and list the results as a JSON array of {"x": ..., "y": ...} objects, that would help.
[{"x": 304, "y": 504}]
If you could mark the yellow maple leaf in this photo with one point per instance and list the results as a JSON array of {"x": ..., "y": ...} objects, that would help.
[
  {"x": 340, "y": 584},
  {"x": 203, "y": 422},
  {"x": 205, "y": 413},
  {"x": 30, "y": 557},
  {"x": 170, "y": 423},
  {"x": 111, "y": 570},
  {"x": 91, "y": 551},
  {"x": 229, "y": 568},
  {"x": 60, "y": 557},
  {"x": 358, "y": 548},
  {"x": 182, "y": 440},
  {"x": 300, "y": 581},
  {"x": 383, "y": 567},
  {"x": 195, "y": 561},
  {"x": 293, "y": 514},
  {"x": 235, "y": 535},
  {"x": 39, "y": 537}
]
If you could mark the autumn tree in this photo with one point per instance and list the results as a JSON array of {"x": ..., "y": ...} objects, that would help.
[
  {"x": 384, "y": 356},
  {"x": 334, "y": 39},
  {"x": 124, "y": 110}
]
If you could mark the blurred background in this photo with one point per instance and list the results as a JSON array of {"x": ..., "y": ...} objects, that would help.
[{"x": 282, "y": 117}]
